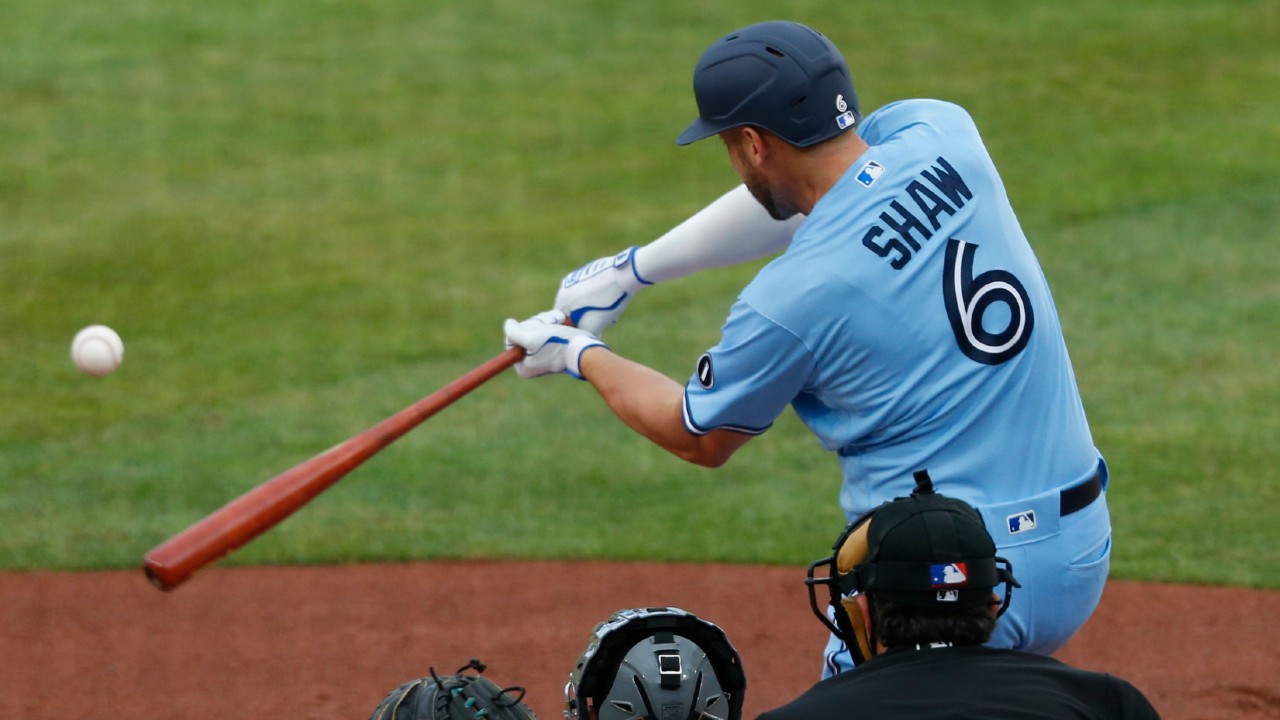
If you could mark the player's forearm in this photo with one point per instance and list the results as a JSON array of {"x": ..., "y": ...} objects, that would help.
[
  {"x": 733, "y": 229},
  {"x": 649, "y": 403}
]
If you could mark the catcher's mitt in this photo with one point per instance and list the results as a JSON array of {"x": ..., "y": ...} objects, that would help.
[{"x": 460, "y": 696}]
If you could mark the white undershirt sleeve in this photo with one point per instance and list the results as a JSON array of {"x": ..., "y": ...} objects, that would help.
[{"x": 733, "y": 229}]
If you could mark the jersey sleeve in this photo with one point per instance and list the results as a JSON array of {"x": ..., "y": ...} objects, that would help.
[{"x": 749, "y": 378}]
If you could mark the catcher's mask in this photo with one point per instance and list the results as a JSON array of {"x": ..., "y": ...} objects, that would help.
[
  {"x": 654, "y": 664},
  {"x": 926, "y": 550}
]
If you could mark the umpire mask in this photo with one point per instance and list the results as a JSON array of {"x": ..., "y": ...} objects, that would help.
[
  {"x": 926, "y": 550},
  {"x": 654, "y": 664}
]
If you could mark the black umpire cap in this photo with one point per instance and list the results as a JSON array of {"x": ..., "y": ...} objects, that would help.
[{"x": 929, "y": 550}]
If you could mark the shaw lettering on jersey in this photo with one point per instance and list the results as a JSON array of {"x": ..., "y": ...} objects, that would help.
[{"x": 948, "y": 195}]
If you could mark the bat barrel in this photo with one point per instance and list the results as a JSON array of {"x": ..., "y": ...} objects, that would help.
[
  {"x": 258, "y": 510},
  {"x": 251, "y": 514}
]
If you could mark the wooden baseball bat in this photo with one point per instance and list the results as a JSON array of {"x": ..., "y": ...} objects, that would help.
[{"x": 170, "y": 564}]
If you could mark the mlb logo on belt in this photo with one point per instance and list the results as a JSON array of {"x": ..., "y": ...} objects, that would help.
[{"x": 1021, "y": 522}]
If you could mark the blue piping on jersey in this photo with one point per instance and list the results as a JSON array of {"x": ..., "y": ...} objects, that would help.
[{"x": 695, "y": 429}]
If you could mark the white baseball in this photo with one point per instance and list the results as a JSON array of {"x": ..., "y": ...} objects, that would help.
[{"x": 97, "y": 350}]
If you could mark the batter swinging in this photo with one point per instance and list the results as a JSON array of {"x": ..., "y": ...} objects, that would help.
[{"x": 908, "y": 322}]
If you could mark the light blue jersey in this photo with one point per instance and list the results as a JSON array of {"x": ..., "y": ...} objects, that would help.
[{"x": 910, "y": 327}]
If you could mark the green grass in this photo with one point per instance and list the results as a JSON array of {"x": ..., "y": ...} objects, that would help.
[{"x": 303, "y": 216}]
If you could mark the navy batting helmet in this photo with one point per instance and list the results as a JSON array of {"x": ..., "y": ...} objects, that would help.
[{"x": 781, "y": 76}]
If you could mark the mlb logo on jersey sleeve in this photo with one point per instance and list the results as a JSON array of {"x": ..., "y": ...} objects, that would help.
[
  {"x": 869, "y": 173},
  {"x": 949, "y": 575}
]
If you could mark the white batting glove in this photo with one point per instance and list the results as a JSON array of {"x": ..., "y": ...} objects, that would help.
[
  {"x": 550, "y": 346},
  {"x": 594, "y": 295}
]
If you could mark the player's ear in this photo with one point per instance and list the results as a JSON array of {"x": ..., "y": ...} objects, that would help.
[{"x": 755, "y": 145}]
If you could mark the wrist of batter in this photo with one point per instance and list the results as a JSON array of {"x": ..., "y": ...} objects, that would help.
[
  {"x": 579, "y": 344},
  {"x": 626, "y": 274}
]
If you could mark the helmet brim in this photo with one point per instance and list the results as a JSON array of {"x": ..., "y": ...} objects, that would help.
[{"x": 699, "y": 130}]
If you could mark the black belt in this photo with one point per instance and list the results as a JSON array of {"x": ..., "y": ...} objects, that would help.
[{"x": 1079, "y": 496}]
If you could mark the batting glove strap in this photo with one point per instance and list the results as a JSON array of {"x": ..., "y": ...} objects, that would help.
[
  {"x": 573, "y": 353},
  {"x": 626, "y": 273},
  {"x": 594, "y": 295}
]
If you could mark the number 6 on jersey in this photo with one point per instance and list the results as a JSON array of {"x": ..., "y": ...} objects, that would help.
[{"x": 968, "y": 298}]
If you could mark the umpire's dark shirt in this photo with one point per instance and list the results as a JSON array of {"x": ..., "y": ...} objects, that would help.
[{"x": 966, "y": 682}]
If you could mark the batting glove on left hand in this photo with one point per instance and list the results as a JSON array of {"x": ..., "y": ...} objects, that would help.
[
  {"x": 594, "y": 295},
  {"x": 550, "y": 345}
]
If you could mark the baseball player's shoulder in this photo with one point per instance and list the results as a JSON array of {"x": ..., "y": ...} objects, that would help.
[
  {"x": 903, "y": 114},
  {"x": 797, "y": 287}
]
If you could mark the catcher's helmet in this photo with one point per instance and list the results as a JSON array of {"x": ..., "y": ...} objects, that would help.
[
  {"x": 781, "y": 76},
  {"x": 926, "y": 550},
  {"x": 653, "y": 664}
]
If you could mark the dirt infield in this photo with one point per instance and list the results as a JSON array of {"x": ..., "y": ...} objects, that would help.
[{"x": 330, "y": 642}]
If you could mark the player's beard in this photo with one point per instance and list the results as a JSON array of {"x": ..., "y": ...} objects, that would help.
[{"x": 763, "y": 193}]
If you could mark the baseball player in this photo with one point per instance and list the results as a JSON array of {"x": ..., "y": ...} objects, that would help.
[
  {"x": 908, "y": 322},
  {"x": 923, "y": 568}
]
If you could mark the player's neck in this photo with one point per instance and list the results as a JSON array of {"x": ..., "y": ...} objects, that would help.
[{"x": 818, "y": 169}]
